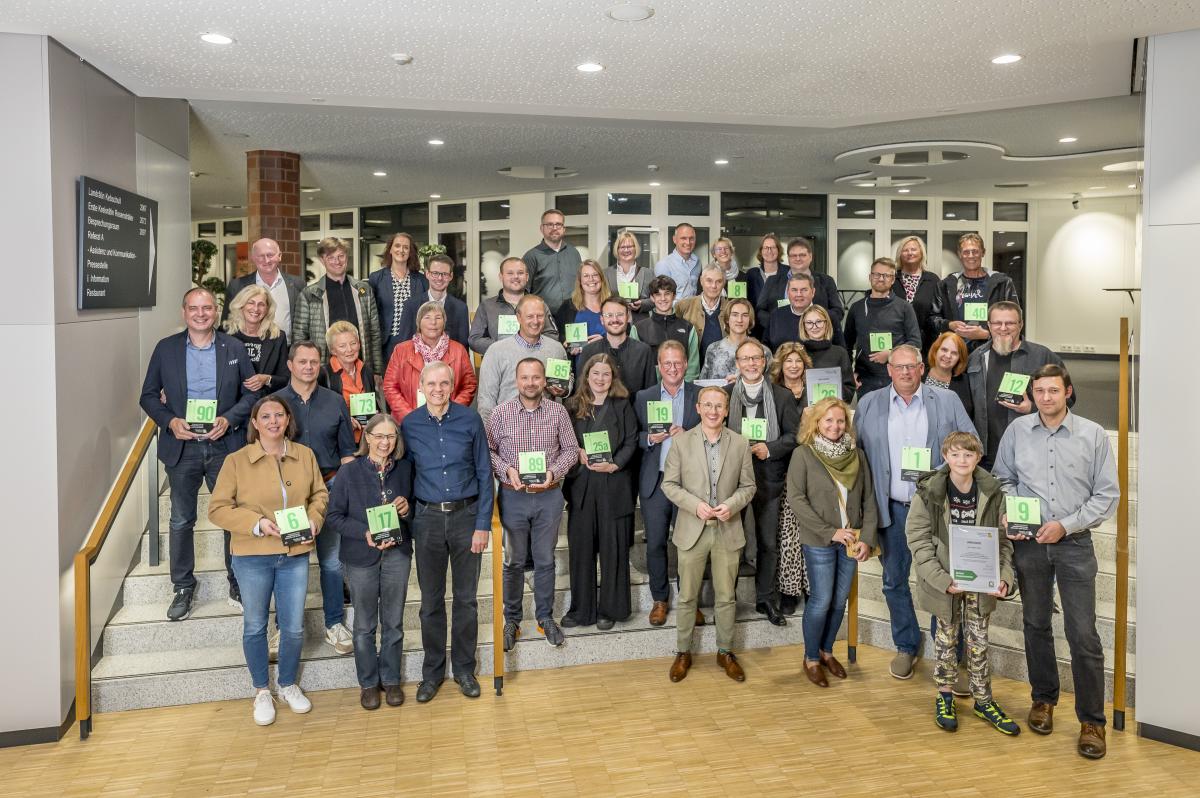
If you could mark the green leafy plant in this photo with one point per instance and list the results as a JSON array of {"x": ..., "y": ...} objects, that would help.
[
  {"x": 202, "y": 254},
  {"x": 426, "y": 251}
]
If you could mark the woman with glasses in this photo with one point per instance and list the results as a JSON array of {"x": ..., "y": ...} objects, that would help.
[
  {"x": 720, "y": 361},
  {"x": 770, "y": 251},
  {"x": 724, "y": 257},
  {"x": 816, "y": 335},
  {"x": 626, "y": 272},
  {"x": 429, "y": 345},
  {"x": 378, "y": 482},
  {"x": 877, "y": 324}
]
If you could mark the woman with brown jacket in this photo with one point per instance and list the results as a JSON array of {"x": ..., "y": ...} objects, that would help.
[{"x": 271, "y": 497}]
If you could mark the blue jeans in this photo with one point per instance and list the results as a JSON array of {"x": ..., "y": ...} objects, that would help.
[
  {"x": 200, "y": 462},
  {"x": 897, "y": 562},
  {"x": 830, "y": 574},
  {"x": 531, "y": 522},
  {"x": 262, "y": 576},
  {"x": 332, "y": 598},
  {"x": 378, "y": 592}
]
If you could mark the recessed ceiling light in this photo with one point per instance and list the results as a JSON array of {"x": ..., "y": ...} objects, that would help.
[
  {"x": 401, "y": 59},
  {"x": 655, "y": 183},
  {"x": 435, "y": 196},
  {"x": 1007, "y": 58},
  {"x": 721, "y": 161},
  {"x": 1124, "y": 166},
  {"x": 1095, "y": 188},
  {"x": 379, "y": 173},
  {"x": 903, "y": 190},
  {"x": 215, "y": 38},
  {"x": 1068, "y": 140},
  {"x": 590, "y": 66},
  {"x": 630, "y": 12},
  {"x": 436, "y": 142},
  {"x": 803, "y": 188}
]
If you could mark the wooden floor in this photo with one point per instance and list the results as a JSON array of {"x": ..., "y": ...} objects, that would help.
[{"x": 612, "y": 729}]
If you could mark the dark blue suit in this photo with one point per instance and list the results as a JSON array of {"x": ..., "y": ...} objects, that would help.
[
  {"x": 657, "y": 510},
  {"x": 381, "y": 284},
  {"x": 192, "y": 461}
]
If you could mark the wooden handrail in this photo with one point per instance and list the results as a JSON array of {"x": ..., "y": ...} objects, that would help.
[{"x": 83, "y": 573}]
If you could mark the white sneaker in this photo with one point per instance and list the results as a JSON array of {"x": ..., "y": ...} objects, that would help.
[
  {"x": 272, "y": 642},
  {"x": 340, "y": 638},
  {"x": 295, "y": 699},
  {"x": 264, "y": 708}
]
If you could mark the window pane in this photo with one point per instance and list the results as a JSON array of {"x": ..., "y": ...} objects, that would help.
[
  {"x": 631, "y": 204},
  {"x": 343, "y": 220},
  {"x": 910, "y": 209},
  {"x": 310, "y": 223},
  {"x": 646, "y": 241},
  {"x": 577, "y": 236},
  {"x": 1010, "y": 212},
  {"x": 456, "y": 250},
  {"x": 950, "y": 261},
  {"x": 493, "y": 248},
  {"x": 449, "y": 214},
  {"x": 1009, "y": 254},
  {"x": 493, "y": 210},
  {"x": 685, "y": 205},
  {"x": 961, "y": 211},
  {"x": 856, "y": 250},
  {"x": 572, "y": 204},
  {"x": 207, "y": 229},
  {"x": 232, "y": 228},
  {"x": 848, "y": 208}
]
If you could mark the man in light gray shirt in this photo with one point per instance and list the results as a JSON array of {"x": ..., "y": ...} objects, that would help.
[
  {"x": 1065, "y": 462},
  {"x": 497, "y": 373},
  {"x": 553, "y": 263}
]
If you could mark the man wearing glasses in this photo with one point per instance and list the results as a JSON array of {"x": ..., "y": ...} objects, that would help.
[
  {"x": 635, "y": 360},
  {"x": 899, "y": 426},
  {"x": 440, "y": 273},
  {"x": 876, "y": 324},
  {"x": 1005, "y": 354},
  {"x": 553, "y": 263}
]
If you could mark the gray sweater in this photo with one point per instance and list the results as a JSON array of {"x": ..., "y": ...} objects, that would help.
[
  {"x": 485, "y": 327},
  {"x": 497, "y": 374}
]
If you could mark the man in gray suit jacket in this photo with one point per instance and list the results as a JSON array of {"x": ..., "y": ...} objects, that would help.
[
  {"x": 709, "y": 476},
  {"x": 901, "y": 428}
]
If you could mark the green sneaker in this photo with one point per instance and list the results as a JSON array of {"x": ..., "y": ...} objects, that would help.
[
  {"x": 993, "y": 714},
  {"x": 944, "y": 715}
]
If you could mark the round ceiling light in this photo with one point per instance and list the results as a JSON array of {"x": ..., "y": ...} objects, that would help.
[
  {"x": 379, "y": 173},
  {"x": 590, "y": 66},
  {"x": 1068, "y": 140},
  {"x": 435, "y": 196},
  {"x": 215, "y": 38},
  {"x": 721, "y": 161},
  {"x": 903, "y": 190},
  {"x": 630, "y": 12},
  {"x": 1007, "y": 58},
  {"x": 436, "y": 142},
  {"x": 655, "y": 183}
]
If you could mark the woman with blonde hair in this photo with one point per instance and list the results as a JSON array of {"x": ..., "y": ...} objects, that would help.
[
  {"x": 816, "y": 336},
  {"x": 725, "y": 257},
  {"x": 346, "y": 373},
  {"x": 591, "y": 289},
  {"x": 791, "y": 362},
  {"x": 918, "y": 286},
  {"x": 830, "y": 490},
  {"x": 626, "y": 250},
  {"x": 252, "y": 321}
]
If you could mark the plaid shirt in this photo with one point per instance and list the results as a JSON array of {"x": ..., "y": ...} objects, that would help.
[{"x": 512, "y": 429}]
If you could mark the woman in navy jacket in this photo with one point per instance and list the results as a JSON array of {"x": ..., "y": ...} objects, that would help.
[{"x": 377, "y": 573}]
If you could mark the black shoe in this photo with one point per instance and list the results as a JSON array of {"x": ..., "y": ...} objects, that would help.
[
  {"x": 427, "y": 691},
  {"x": 569, "y": 622},
  {"x": 468, "y": 684},
  {"x": 181, "y": 605},
  {"x": 772, "y": 612},
  {"x": 788, "y": 604},
  {"x": 604, "y": 624}
]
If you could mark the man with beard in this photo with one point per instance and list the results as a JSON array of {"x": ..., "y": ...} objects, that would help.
[{"x": 1004, "y": 353}]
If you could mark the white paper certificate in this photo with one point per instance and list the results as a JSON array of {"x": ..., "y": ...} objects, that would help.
[{"x": 975, "y": 558}]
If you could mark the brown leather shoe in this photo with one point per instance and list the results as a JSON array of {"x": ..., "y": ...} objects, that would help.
[
  {"x": 395, "y": 695},
  {"x": 832, "y": 665},
  {"x": 679, "y": 668},
  {"x": 1041, "y": 718},
  {"x": 1091, "y": 741},
  {"x": 658, "y": 613},
  {"x": 369, "y": 698},
  {"x": 815, "y": 673},
  {"x": 700, "y": 618},
  {"x": 729, "y": 662}
]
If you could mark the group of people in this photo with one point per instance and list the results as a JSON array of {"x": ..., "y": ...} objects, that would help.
[{"x": 717, "y": 400}]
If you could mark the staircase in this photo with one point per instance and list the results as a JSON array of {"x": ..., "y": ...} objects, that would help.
[{"x": 147, "y": 661}]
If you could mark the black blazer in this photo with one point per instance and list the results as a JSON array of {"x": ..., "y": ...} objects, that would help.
[
  {"x": 787, "y": 415},
  {"x": 927, "y": 304},
  {"x": 294, "y": 286},
  {"x": 617, "y": 418},
  {"x": 381, "y": 284},
  {"x": 272, "y": 358},
  {"x": 167, "y": 373},
  {"x": 458, "y": 321},
  {"x": 650, "y": 451}
]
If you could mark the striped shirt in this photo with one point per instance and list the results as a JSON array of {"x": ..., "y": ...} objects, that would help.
[{"x": 511, "y": 429}]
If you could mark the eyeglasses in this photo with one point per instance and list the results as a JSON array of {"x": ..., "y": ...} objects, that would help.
[
  {"x": 883, "y": 276},
  {"x": 1004, "y": 323},
  {"x": 712, "y": 405},
  {"x": 438, "y": 274},
  {"x": 379, "y": 437},
  {"x": 905, "y": 366},
  {"x": 750, "y": 358},
  {"x": 613, "y": 316},
  {"x": 815, "y": 324},
  {"x": 553, "y": 225}
]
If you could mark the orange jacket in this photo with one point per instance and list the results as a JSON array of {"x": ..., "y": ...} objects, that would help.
[{"x": 404, "y": 373}]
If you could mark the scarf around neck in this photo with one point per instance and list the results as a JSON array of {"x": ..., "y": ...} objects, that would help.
[
  {"x": 839, "y": 458},
  {"x": 431, "y": 353},
  {"x": 739, "y": 400}
]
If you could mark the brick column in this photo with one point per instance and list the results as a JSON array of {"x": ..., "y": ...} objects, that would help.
[{"x": 273, "y": 202}]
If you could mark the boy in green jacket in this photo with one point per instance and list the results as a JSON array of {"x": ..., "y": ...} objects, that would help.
[{"x": 961, "y": 494}]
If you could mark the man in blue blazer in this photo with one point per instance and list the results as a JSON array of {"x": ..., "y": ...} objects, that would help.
[
  {"x": 439, "y": 272},
  {"x": 198, "y": 363},
  {"x": 905, "y": 415},
  {"x": 658, "y": 512}
]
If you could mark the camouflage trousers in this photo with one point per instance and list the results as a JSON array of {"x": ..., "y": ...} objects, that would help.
[{"x": 974, "y": 628}]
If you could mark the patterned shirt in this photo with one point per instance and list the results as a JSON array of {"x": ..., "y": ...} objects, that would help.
[
  {"x": 401, "y": 291},
  {"x": 511, "y": 429},
  {"x": 910, "y": 283},
  {"x": 712, "y": 450}
]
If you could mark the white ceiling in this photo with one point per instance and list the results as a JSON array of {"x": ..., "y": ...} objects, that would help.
[{"x": 779, "y": 86}]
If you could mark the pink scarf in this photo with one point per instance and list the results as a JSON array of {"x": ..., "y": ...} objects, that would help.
[{"x": 431, "y": 353}]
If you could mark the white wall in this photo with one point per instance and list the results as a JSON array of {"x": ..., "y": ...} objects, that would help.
[
  {"x": 1168, "y": 548},
  {"x": 1078, "y": 254}
]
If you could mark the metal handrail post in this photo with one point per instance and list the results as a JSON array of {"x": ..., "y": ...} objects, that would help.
[{"x": 155, "y": 543}]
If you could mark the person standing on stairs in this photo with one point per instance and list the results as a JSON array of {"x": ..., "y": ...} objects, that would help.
[
  {"x": 268, "y": 482},
  {"x": 323, "y": 425},
  {"x": 1065, "y": 462},
  {"x": 202, "y": 364}
]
